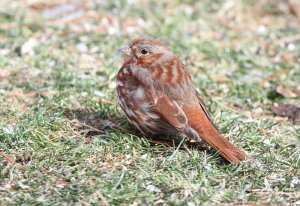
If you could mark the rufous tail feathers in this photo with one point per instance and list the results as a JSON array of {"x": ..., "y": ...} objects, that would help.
[{"x": 201, "y": 123}]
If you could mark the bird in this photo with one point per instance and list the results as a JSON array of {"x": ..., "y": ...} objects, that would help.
[{"x": 156, "y": 92}]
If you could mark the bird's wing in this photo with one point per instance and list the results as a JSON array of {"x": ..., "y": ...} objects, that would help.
[
  {"x": 170, "y": 111},
  {"x": 204, "y": 108}
]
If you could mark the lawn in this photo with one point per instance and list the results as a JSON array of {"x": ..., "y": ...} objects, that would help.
[{"x": 65, "y": 141}]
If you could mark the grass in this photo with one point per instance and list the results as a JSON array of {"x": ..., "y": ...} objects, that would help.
[{"x": 64, "y": 140}]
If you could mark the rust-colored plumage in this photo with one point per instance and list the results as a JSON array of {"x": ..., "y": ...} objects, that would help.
[{"x": 157, "y": 95}]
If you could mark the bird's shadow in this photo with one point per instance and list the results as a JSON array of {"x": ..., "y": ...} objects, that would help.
[{"x": 100, "y": 123}]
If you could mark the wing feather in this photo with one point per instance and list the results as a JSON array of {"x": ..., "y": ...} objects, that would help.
[{"x": 171, "y": 112}]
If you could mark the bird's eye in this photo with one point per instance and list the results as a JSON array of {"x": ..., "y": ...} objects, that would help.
[{"x": 144, "y": 51}]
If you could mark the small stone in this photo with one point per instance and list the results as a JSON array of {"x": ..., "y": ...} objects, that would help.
[
  {"x": 262, "y": 31},
  {"x": 295, "y": 182},
  {"x": 28, "y": 46},
  {"x": 82, "y": 47},
  {"x": 153, "y": 188}
]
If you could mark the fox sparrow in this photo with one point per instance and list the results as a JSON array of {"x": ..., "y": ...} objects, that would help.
[{"x": 156, "y": 93}]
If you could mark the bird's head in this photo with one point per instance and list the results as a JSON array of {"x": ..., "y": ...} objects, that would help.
[{"x": 144, "y": 51}]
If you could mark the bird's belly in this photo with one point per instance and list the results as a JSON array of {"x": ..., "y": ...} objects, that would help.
[{"x": 137, "y": 103}]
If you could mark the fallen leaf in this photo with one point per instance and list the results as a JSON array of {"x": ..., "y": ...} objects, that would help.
[
  {"x": 287, "y": 110},
  {"x": 21, "y": 95},
  {"x": 287, "y": 58},
  {"x": 62, "y": 183},
  {"x": 279, "y": 75},
  {"x": 285, "y": 91},
  {"x": 279, "y": 119},
  {"x": 57, "y": 11},
  {"x": 11, "y": 160},
  {"x": 294, "y": 8},
  {"x": 32, "y": 94},
  {"x": 42, "y": 6}
]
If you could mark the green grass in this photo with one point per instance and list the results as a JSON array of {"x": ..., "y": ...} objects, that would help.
[{"x": 64, "y": 140}]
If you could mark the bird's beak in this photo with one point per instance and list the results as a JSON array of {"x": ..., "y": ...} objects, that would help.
[{"x": 125, "y": 50}]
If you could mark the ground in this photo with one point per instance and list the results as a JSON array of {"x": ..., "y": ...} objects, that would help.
[{"x": 65, "y": 141}]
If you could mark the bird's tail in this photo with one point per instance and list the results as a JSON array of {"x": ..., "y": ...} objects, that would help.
[
  {"x": 229, "y": 151},
  {"x": 202, "y": 127}
]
